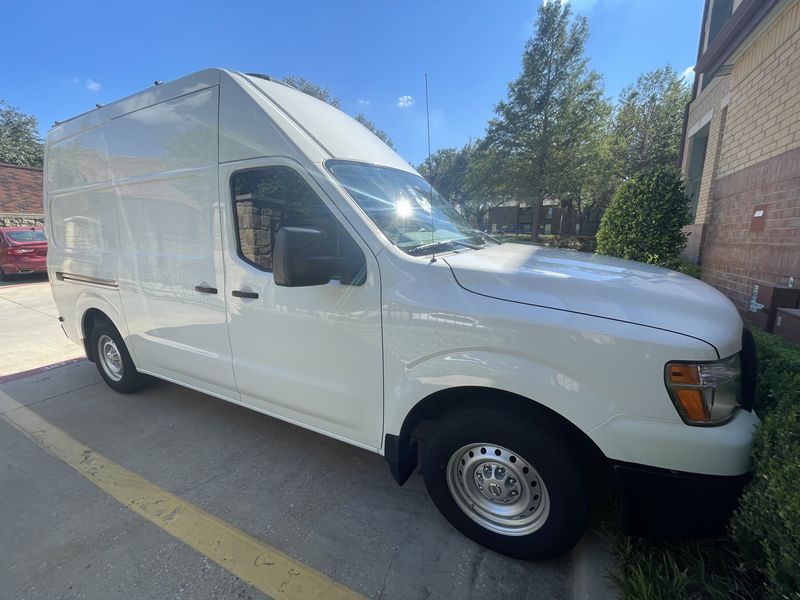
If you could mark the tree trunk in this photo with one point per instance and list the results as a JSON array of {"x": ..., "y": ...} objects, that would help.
[{"x": 536, "y": 208}]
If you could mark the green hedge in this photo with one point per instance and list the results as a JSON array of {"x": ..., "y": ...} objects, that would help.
[{"x": 767, "y": 525}]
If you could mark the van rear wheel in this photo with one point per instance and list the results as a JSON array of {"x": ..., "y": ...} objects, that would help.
[
  {"x": 506, "y": 483},
  {"x": 113, "y": 360}
]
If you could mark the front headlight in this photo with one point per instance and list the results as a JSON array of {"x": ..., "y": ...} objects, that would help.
[{"x": 705, "y": 393}]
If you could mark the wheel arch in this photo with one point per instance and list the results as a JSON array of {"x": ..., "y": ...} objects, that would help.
[
  {"x": 90, "y": 317},
  {"x": 401, "y": 450}
]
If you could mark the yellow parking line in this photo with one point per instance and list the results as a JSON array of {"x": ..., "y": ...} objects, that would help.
[{"x": 257, "y": 563}]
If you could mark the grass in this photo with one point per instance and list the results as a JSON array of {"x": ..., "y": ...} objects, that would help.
[{"x": 696, "y": 569}]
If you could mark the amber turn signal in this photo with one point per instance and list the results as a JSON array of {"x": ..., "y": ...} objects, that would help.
[
  {"x": 682, "y": 374},
  {"x": 693, "y": 403}
]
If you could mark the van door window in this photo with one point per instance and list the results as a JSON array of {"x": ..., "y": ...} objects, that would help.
[{"x": 268, "y": 198}]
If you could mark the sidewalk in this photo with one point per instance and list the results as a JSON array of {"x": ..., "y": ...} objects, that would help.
[{"x": 30, "y": 335}]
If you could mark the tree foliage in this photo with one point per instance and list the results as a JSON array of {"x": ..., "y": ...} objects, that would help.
[
  {"x": 446, "y": 170},
  {"x": 319, "y": 92},
  {"x": 645, "y": 219},
  {"x": 20, "y": 143},
  {"x": 553, "y": 111},
  {"x": 649, "y": 120},
  {"x": 362, "y": 118}
]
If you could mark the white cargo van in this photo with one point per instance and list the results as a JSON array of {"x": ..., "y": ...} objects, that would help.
[{"x": 229, "y": 233}]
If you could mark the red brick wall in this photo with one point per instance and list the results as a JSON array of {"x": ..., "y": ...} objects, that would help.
[
  {"x": 20, "y": 190},
  {"x": 735, "y": 254}
]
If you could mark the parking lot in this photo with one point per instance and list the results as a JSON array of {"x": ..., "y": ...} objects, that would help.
[{"x": 251, "y": 505}]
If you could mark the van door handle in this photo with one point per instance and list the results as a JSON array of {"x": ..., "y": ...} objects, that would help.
[
  {"x": 241, "y": 294},
  {"x": 205, "y": 290}
]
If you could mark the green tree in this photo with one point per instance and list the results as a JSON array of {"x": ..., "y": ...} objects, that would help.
[
  {"x": 644, "y": 221},
  {"x": 446, "y": 170},
  {"x": 552, "y": 110},
  {"x": 485, "y": 184},
  {"x": 648, "y": 121},
  {"x": 362, "y": 118},
  {"x": 313, "y": 89},
  {"x": 20, "y": 143}
]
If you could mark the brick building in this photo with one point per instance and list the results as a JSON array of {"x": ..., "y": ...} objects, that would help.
[
  {"x": 20, "y": 195},
  {"x": 741, "y": 152},
  {"x": 552, "y": 220}
]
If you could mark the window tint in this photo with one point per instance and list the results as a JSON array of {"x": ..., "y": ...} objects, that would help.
[{"x": 268, "y": 198}]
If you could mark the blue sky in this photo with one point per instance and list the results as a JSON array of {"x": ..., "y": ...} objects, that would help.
[{"x": 60, "y": 58}]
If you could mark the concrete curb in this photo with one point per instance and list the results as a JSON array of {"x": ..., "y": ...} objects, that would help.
[
  {"x": 592, "y": 561},
  {"x": 29, "y": 372}
]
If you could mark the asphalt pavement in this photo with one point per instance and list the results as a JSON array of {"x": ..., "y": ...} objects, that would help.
[{"x": 330, "y": 508}]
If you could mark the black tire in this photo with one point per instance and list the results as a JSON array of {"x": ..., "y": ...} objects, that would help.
[
  {"x": 126, "y": 379},
  {"x": 562, "y": 481}
]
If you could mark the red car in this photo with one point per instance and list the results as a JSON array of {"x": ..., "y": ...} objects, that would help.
[{"x": 22, "y": 250}]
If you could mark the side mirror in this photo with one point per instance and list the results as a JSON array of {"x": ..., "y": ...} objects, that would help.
[{"x": 301, "y": 257}]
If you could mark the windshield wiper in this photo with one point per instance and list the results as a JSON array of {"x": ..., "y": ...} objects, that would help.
[{"x": 434, "y": 245}]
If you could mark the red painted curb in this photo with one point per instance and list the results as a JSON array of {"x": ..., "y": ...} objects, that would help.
[{"x": 29, "y": 372}]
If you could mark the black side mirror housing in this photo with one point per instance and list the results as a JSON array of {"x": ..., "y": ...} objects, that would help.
[{"x": 300, "y": 257}]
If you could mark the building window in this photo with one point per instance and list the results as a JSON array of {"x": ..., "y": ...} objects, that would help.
[
  {"x": 721, "y": 11},
  {"x": 548, "y": 213},
  {"x": 697, "y": 159}
]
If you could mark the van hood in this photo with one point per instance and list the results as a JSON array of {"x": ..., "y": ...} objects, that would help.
[{"x": 601, "y": 286}]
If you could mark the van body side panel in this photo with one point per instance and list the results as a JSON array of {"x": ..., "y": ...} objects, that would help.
[
  {"x": 81, "y": 224},
  {"x": 592, "y": 371},
  {"x": 163, "y": 160}
]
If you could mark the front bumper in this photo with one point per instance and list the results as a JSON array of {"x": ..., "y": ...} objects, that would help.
[{"x": 664, "y": 503}]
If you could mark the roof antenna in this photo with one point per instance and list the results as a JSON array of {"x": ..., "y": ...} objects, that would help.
[{"x": 430, "y": 185}]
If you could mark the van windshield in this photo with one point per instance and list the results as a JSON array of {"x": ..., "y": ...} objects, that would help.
[{"x": 400, "y": 204}]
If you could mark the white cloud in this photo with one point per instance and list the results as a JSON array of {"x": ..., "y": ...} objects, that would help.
[
  {"x": 92, "y": 85},
  {"x": 405, "y": 101},
  {"x": 688, "y": 74},
  {"x": 363, "y": 102}
]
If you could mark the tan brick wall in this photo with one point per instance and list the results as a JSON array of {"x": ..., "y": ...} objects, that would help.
[
  {"x": 764, "y": 112},
  {"x": 709, "y": 100}
]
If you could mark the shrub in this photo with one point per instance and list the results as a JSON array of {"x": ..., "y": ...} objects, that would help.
[
  {"x": 685, "y": 267},
  {"x": 766, "y": 526},
  {"x": 645, "y": 219}
]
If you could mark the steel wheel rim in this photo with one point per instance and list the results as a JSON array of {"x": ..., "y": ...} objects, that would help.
[
  {"x": 498, "y": 489},
  {"x": 110, "y": 357}
]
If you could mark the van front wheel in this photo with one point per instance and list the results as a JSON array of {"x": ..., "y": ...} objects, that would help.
[
  {"x": 506, "y": 483},
  {"x": 113, "y": 360}
]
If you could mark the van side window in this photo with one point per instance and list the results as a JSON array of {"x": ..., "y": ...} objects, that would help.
[{"x": 268, "y": 198}]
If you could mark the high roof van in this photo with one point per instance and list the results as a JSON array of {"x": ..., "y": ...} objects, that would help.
[{"x": 231, "y": 234}]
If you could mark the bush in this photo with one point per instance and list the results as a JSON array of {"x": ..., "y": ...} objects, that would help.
[
  {"x": 645, "y": 219},
  {"x": 685, "y": 267},
  {"x": 767, "y": 524}
]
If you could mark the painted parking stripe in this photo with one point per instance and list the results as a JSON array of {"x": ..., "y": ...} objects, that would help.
[{"x": 259, "y": 564}]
